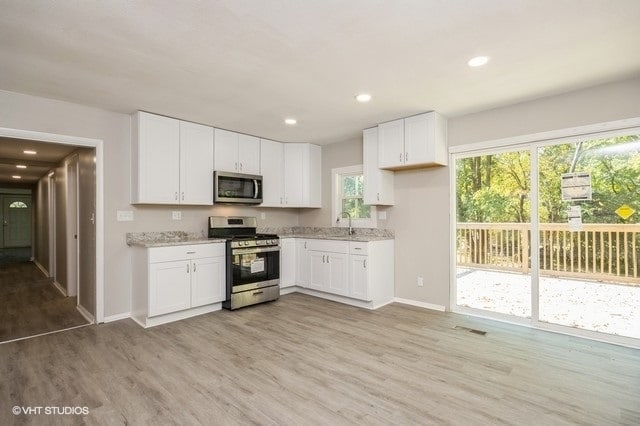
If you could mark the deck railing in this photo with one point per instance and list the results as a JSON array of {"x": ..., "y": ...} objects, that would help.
[{"x": 608, "y": 252}]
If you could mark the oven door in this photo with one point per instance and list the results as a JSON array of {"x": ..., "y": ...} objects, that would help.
[{"x": 254, "y": 267}]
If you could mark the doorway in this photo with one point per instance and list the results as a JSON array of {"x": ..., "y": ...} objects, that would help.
[{"x": 548, "y": 234}]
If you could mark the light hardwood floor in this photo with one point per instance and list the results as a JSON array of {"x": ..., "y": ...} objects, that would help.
[
  {"x": 303, "y": 360},
  {"x": 31, "y": 305}
]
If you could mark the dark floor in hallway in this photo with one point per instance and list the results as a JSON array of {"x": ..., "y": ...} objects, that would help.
[{"x": 31, "y": 305}]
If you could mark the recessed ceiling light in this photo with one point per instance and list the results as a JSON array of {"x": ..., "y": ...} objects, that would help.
[
  {"x": 363, "y": 97},
  {"x": 16, "y": 177},
  {"x": 29, "y": 152},
  {"x": 478, "y": 61},
  {"x": 21, "y": 166},
  {"x": 290, "y": 121}
]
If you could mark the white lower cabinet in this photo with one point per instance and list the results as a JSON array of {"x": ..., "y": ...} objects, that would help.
[
  {"x": 287, "y": 262},
  {"x": 171, "y": 283},
  {"x": 359, "y": 273}
]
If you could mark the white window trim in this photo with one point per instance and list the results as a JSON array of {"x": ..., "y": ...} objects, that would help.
[{"x": 336, "y": 205}]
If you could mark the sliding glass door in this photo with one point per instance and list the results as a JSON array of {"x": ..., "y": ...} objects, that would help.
[
  {"x": 590, "y": 235},
  {"x": 493, "y": 213},
  {"x": 576, "y": 263}
]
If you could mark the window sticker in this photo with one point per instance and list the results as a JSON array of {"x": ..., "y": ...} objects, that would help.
[{"x": 576, "y": 186}]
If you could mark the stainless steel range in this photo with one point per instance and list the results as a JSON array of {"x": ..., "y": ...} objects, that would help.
[{"x": 253, "y": 261}]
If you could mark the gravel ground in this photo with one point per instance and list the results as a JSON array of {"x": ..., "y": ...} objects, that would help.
[{"x": 604, "y": 307}]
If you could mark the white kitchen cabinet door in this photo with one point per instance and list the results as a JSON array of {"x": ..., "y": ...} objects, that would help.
[
  {"x": 196, "y": 164},
  {"x": 155, "y": 159},
  {"x": 169, "y": 287},
  {"x": 378, "y": 184},
  {"x": 391, "y": 150},
  {"x": 225, "y": 151},
  {"x": 208, "y": 281},
  {"x": 248, "y": 154},
  {"x": 302, "y": 263},
  {"x": 338, "y": 267},
  {"x": 359, "y": 278},
  {"x": 294, "y": 176},
  {"x": 418, "y": 139},
  {"x": 287, "y": 262},
  {"x": 317, "y": 271},
  {"x": 272, "y": 169}
]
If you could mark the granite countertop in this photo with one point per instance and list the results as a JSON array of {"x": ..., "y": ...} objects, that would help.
[
  {"x": 168, "y": 239},
  {"x": 360, "y": 234}
]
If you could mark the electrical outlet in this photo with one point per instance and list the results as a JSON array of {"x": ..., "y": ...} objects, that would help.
[
  {"x": 382, "y": 215},
  {"x": 420, "y": 282},
  {"x": 124, "y": 215},
  {"x": 176, "y": 215},
  {"x": 263, "y": 215}
]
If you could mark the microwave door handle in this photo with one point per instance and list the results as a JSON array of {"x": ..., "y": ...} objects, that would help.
[{"x": 255, "y": 188}]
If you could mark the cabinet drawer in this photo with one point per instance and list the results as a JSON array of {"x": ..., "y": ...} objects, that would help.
[
  {"x": 167, "y": 254},
  {"x": 330, "y": 246},
  {"x": 358, "y": 247}
]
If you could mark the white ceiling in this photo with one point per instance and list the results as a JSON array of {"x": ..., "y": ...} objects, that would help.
[{"x": 246, "y": 65}]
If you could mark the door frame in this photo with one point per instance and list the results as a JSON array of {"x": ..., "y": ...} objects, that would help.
[
  {"x": 99, "y": 213},
  {"x": 531, "y": 143},
  {"x": 71, "y": 164}
]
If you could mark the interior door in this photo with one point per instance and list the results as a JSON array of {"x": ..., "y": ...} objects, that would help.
[
  {"x": 16, "y": 220},
  {"x": 589, "y": 260}
]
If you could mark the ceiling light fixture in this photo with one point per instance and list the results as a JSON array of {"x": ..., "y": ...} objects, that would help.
[
  {"x": 29, "y": 152},
  {"x": 21, "y": 166},
  {"x": 478, "y": 61},
  {"x": 16, "y": 177},
  {"x": 290, "y": 121},
  {"x": 363, "y": 97}
]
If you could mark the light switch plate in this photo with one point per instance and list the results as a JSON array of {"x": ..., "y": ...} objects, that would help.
[
  {"x": 176, "y": 215},
  {"x": 124, "y": 215},
  {"x": 382, "y": 215}
]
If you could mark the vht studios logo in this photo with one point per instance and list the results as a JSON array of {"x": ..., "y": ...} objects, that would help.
[{"x": 50, "y": 411}]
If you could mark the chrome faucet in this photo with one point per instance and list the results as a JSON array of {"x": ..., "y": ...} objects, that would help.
[{"x": 349, "y": 216}]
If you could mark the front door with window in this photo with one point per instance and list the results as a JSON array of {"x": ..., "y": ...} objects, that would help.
[{"x": 16, "y": 221}]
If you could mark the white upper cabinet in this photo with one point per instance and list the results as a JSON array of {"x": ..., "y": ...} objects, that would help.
[
  {"x": 272, "y": 159},
  {"x": 236, "y": 153},
  {"x": 378, "y": 184},
  {"x": 418, "y": 141},
  {"x": 196, "y": 164},
  {"x": 171, "y": 160},
  {"x": 290, "y": 174}
]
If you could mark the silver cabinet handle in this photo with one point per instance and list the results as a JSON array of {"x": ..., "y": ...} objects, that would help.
[
  {"x": 328, "y": 257},
  {"x": 240, "y": 166},
  {"x": 194, "y": 266},
  {"x": 176, "y": 196},
  {"x": 378, "y": 196},
  {"x": 305, "y": 245},
  {"x": 406, "y": 157},
  {"x": 365, "y": 263},
  {"x": 323, "y": 256},
  {"x": 281, "y": 200},
  {"x": 191, "y": 252},
  {"x": 187, "y": 268},
  {"x": 236, "y": 166},
  {"x": 182, "y": 195},
  {"x": 401, "y": 157}
]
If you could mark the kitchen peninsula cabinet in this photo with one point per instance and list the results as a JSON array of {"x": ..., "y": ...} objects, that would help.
[{"x": 171, "y": 161}]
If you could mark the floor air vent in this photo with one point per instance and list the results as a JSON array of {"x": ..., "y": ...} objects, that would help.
[{"x": 470, "y": 330}]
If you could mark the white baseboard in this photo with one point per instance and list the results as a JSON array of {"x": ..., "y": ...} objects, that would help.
[
  {"x": 86, "y": 314},
  {"x": 425, "y": 305},
  {"x": 117, "y": 317},
  {"x": 61, "y": 289},
  {"x": 42, "y": 268}
]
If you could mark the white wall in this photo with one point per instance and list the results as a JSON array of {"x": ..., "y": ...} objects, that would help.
[
  {"x": 420, "y": 217},
  {"x": 25, "y": 112}
]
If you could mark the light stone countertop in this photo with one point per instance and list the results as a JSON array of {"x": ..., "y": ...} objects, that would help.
[
  {"x": 168, "y": 239},
  {"x": 316, "y": 233}
]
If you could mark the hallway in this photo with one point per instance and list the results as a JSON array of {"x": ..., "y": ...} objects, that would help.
[{"x": 31, "y": 305}]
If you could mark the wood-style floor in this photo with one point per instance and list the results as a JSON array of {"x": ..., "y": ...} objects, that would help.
[
  {"x": 303, "y": 360},
  {"x": 31, "y": 305}
]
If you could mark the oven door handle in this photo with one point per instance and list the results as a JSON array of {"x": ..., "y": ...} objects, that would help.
[
  {"x": 255, "y": 250},
  {"x": 255, "y": 188}
]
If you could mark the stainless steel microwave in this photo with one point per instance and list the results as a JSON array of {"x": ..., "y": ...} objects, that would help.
[{"x": 237, "y": 188}]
